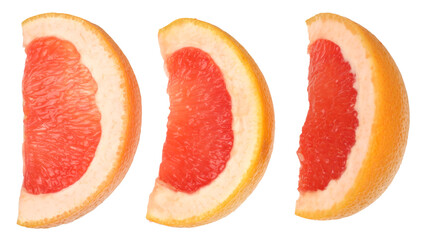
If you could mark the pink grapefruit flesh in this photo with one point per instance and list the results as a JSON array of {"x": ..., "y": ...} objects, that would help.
[
  {"x": 200, "y": 136},
  {"x": 329, "y": 130},
  {"x": 62, "y": 122}
]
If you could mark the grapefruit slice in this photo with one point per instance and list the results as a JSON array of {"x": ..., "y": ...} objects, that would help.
[
  {"x": 82, "y": 121},
  {"x": 356, "y": 129},
  {"x": 220, "y": 126}
]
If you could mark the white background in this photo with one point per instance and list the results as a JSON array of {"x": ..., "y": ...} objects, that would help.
[{"x": 275, "y": 35}]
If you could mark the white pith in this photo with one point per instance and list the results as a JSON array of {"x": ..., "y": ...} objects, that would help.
[
  {"x": 110, "y": 102},
  {"x": 167, "y": 204},
  {"x": 354, "y": 53}
]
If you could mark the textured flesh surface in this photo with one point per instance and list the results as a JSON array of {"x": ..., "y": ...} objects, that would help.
[
  {"x": 329, "y": 130},
  {"x": 62, "y": 122},
  {"x": 200, "y": 137}
]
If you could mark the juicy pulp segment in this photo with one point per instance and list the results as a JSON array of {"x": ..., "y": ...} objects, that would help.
[
  {"x": 329, "y": 130},
  {"x": 200, "y": 136},
  {"x": 62, "y": 122}
]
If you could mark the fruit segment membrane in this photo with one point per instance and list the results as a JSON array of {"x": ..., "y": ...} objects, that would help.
[
  {"x": 62, "y": 122},
  {"x": 329, "y": 130},
  {"x": 199, "y": 137}
]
